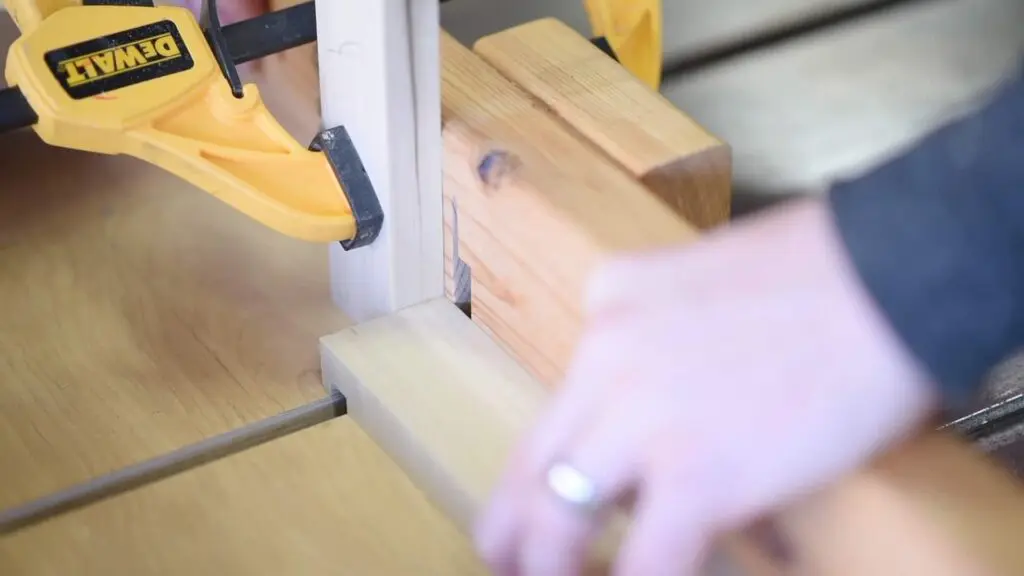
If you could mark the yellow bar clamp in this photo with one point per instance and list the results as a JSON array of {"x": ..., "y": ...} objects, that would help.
[
  {"x": 143, "y": 81},
  {"x": 633, "y": 30}
]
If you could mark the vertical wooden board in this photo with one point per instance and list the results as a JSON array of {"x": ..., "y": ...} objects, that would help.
[
  {"x": 538, "y": 210},
  {"x": 297, "y": 68},
  {"x": 635, "y": 126},
  {"x": 379, "y": 78}
]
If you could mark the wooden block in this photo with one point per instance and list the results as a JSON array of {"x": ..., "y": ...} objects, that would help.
[
  {"x": 447, "y": 404},
  {"x": 139, "y": 315},
  {"x": 538, "y": 209},
  {"x": 416, "y": 418},
  {"x": 325, "y": 500},
  {"x": 451, "y": 410},
  {"x": 634, "y": 126}
]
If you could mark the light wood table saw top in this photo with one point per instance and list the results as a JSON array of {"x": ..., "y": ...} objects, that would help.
[
  {"x": 140, "y": 315},
  {"x": 325, "y": 500}
]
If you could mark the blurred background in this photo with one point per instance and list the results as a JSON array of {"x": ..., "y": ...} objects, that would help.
[{"x": 810, "y": 91}]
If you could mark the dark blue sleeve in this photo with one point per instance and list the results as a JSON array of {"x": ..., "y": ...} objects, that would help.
[{"x": 937, "y": 236}]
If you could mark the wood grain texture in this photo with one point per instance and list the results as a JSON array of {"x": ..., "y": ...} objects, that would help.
[
  {"x": 637, "y": 128},
  {"x": 325, "y": 500},
  {"x": 139, "y": 315},
  {"x": 449, "y": 413},
  {"x": 538, "y": 210},
  {"x": 417, "y": 408},
  {"x": 452, "y": 409}
]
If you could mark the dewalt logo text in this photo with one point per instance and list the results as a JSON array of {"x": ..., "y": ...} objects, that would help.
[
  {"x": 119, "y": 60},
  {"x": 123, "y": 59}
]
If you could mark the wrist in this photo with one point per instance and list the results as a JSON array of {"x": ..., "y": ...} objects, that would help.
[{"x": 893, "y": 384}]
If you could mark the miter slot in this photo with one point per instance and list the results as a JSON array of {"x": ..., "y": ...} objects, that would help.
[{"x": 176, "y": 462}]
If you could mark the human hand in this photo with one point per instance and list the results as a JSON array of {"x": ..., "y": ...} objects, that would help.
[{"x": 712, "y": 384}]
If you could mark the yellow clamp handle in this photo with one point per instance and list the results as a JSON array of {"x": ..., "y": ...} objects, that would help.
[
  {"x": 633, "y": 29},
  {"x": 144, "y": 82}
]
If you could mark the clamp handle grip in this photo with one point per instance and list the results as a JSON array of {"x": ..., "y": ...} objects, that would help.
[{"x": 234, "y": 149}]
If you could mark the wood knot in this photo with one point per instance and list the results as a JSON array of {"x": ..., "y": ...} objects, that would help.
[{"x": 495, "y": 166}]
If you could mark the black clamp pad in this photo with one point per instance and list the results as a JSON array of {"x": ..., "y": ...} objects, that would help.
[
  {"x": 602, "y": 44},
  {"x": 341, "y": 153}
]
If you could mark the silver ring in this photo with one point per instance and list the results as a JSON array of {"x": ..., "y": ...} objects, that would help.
[{"x": 573, "y": 487}]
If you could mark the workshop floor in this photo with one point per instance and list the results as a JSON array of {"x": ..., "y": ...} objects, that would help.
[{"x": 820, "y": 106}]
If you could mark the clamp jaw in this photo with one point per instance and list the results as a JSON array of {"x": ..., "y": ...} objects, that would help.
[
  {"x": 130, "y": 78},
  {"x": 631, "y": 31}
]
